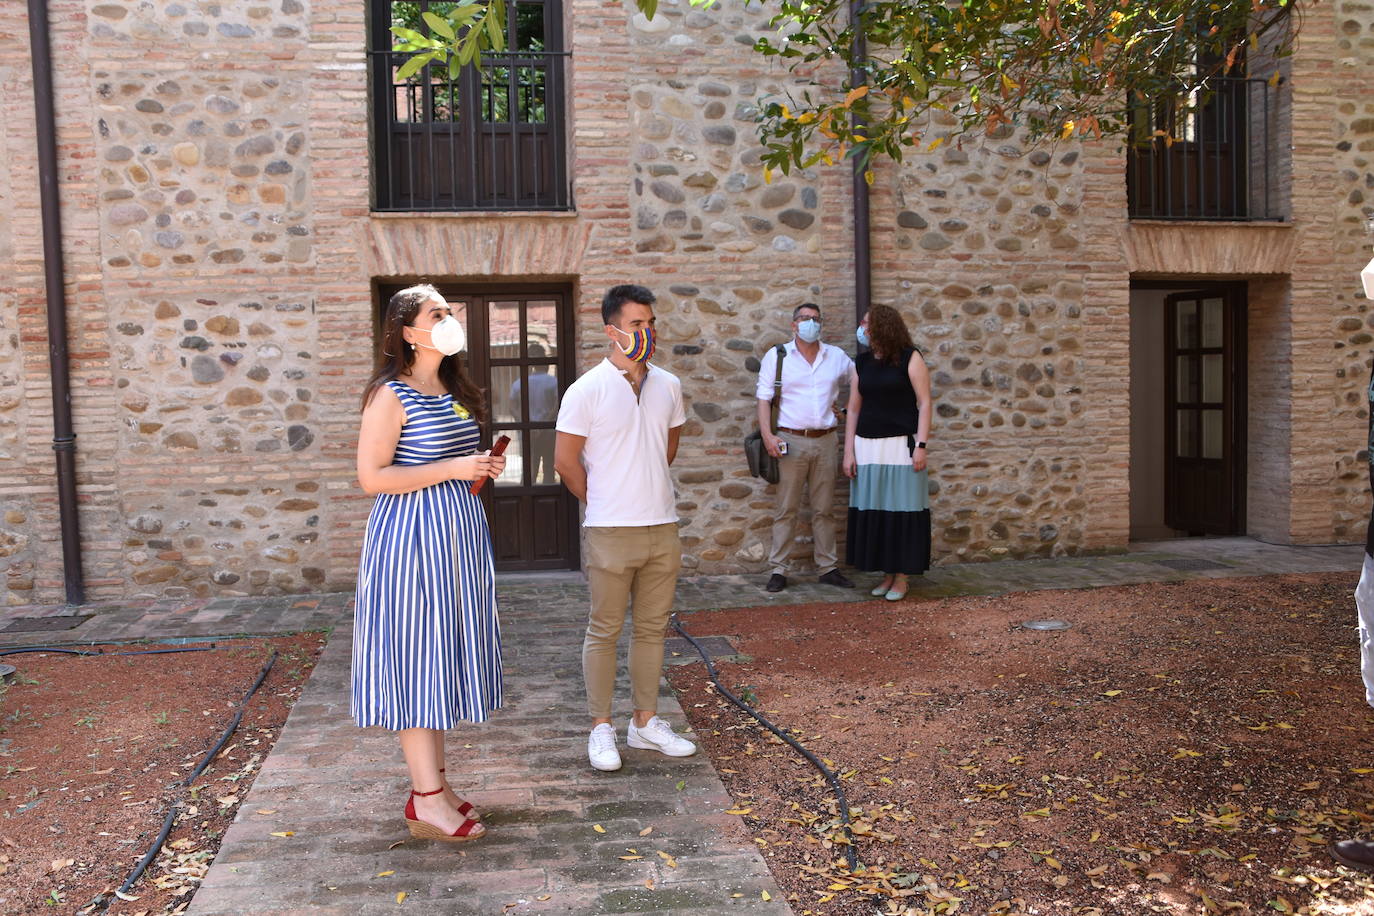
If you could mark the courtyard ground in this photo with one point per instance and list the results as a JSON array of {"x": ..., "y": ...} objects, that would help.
[
  {"x": 1187, "y": 747},
  {"x": 320, "y": 827}
]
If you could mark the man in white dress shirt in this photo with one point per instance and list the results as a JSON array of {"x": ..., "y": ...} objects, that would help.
[{"x": 812, "y": 373}]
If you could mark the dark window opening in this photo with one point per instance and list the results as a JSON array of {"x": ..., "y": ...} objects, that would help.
[
  {"x": 476, "y": 138},
  {"x": 1206, "y": 151}
]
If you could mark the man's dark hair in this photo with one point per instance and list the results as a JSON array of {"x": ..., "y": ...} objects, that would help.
[
  {"x": 806, "y": 305},
  {"x": 617, "y": 296}
]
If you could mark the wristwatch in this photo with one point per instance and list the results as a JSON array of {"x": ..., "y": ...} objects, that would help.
[{"x": 920, "y": 445}]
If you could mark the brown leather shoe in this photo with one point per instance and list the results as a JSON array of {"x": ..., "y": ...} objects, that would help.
[{"x": 1356, "y": 854}]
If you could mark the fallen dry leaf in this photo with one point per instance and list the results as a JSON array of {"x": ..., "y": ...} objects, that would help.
[
  {"x": 646, "y": 831},
  {"x": 400, "y": 896},
  {"x": 598, "y": 828}
]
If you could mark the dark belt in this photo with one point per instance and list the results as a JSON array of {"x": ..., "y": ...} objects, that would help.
[{"x": 807, "y": 433}]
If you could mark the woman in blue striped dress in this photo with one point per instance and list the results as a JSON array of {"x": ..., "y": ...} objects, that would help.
[{"x": 426, "y": 642}]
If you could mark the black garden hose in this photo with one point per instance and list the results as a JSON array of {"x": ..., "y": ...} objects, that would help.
[
  {"x": 238, "y": 717},
  {"x": 103, "y": 901},
  {"x": 152, "y": 850},
  {"x": 850, "y": 853},
  {"x": 19, "y": 650}
]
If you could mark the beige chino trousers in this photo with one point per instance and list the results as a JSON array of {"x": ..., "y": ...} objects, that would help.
[
  {"x": 637, "y": 567},
  {"x": 808, "y": 463}
]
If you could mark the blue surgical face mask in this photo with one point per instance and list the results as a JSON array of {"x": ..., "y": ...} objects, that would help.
[
  {"x": 862, "y": 335},
  {"x": 809, "y": 330}
]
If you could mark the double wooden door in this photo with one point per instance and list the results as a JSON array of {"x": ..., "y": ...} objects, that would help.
[{"x": 520, "y": 353}]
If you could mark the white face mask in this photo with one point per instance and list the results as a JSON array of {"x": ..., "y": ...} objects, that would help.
[
  {"x": 448, "y": 336},
  {"x": 809, "y": 330}
]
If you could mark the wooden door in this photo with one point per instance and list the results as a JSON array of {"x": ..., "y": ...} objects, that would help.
[
  {"x": 520, "y": 353},
  {"x": 1205, "y": 415}
]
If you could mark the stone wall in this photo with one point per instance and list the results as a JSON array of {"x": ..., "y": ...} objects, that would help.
[
  {"x": 16, "y": 533},
  {"x": 735, "y": 254},
  {"x": 1349, "y": 322},
  {"x": 221, "y": 258},
  {"x": 988, "y": 249}
]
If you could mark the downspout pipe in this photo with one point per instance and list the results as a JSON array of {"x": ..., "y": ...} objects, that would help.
[
  {"x": 64, "y": 437},
  {"x": 863, "y": 252}
]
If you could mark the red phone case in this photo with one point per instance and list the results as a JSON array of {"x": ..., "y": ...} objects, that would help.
[{"x": 497, "y": 448}]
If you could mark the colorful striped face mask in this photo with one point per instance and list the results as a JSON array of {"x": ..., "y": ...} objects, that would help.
[{"x": 641, "y": 345}]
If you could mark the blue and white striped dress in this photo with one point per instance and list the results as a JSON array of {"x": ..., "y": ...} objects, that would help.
[{"x": 426, "y": 640}]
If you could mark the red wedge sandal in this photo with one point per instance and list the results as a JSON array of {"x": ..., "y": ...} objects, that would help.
[
  {"x": 465, "y": 807},
  {"x": 468, "y": 830}
]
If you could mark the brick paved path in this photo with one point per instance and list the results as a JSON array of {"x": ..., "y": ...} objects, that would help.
[{"x": 341, "y": 789}]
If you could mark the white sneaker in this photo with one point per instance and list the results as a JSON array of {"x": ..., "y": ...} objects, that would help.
[
  {"x": 601, "y": 750},
  {"x": 659, "y": 736}
]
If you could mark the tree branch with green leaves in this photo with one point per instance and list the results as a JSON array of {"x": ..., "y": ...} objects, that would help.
[{"x": 930, "y": 71}]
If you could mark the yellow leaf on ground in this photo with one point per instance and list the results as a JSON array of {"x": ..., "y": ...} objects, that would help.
[
  {"x": 598, "y": 828},
  {"x": 284, "y": 833},
  {"x": 738, "y": 810},
  {"x": 386, "y": 874},
  {"x": 646, "y": 831},
  {"x": 267, "y": 811},
  {"x": 1094, "y": 872},
  {"x": 766, "y": 896},
  {"x": 1113, "y": 693},
  {"x": 401, "y": 897}
]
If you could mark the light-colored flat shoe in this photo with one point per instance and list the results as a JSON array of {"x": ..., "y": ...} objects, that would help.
[
  {"x": 894, "y": 595},
  {"x": 879, "y": 591}
]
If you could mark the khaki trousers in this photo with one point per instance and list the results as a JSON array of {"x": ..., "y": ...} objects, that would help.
[
  {"x": 636, "y": 567},
  {"x": 813, "y": 463}
]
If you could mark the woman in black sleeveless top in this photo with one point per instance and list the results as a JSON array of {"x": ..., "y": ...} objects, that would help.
[{"x": 885, "y": 437}]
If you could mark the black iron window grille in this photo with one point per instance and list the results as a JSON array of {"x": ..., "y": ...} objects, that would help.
[
  {"x": 489, "y": 138},
  {"x": 1206, "y": 154}
]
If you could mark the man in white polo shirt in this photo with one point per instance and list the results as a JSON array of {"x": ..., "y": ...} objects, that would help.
[
  {"x": 812, "y": 373},
  {"x": 618, "y": 430}
]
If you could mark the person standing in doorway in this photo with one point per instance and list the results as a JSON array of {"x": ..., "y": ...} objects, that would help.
[
  {"x": 543, "y": 408},
  {"x": 617, "y": 433},
  {"x": 812, "y": 373}
]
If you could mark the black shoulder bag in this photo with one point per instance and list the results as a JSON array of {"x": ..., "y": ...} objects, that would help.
[{"x": 762, "y": 464}]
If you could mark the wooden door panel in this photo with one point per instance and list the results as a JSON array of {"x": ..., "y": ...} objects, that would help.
[{"x": 1204, "y": 411}]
